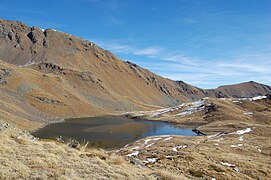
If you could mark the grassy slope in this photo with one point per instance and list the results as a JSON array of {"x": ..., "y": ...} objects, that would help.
[
  {"x": 22, "y": 158},
  {"x": 201, "y": 157}
]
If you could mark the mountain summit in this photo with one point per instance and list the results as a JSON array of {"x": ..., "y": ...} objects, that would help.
[{"x": 63, "y": 75}]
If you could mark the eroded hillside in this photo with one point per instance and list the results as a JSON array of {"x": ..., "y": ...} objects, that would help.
[{"x": 98, "y": 76}]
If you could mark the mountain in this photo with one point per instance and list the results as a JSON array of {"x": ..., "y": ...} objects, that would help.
[
  {"x": 246, "y": 89},
  {"x": 47, "y": 76},
  {"x": 47, "y": 72}
]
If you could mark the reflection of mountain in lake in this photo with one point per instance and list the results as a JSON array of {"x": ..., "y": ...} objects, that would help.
[{"x": 108, "y": 132}]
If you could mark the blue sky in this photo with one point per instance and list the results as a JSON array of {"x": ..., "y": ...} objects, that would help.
[{"x": 206, "y": 43}]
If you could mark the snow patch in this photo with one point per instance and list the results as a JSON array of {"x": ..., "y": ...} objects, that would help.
[
  {"x": 134, "y": 148},
  {"x": 217, "y": 135},
  {"x": 227, "y": 164},
  {"x": 253, "y": 98},
  {"x": 149, "y": 145},
  {"x": 238, "y": 100},
  {"x": 151, "y": 160},
  {"x": 178, "y": 147},
  {"x": 126, "y": 145},
  {"x": 241, "y": 138},
  {"x": 191, "y": 110},
  {"x": 29, "y": 63},
  {"x": 240, "y": 132},
  {"x": 156, "y": 139},
  {"x": 133, "y": 154},
  {"x": 259, "y": 150},
  {"x": 147, "y": 140},
  {"x": 160, "y": 112},
  {"x": 153, "y": 139},
  {"x": 258, "y": 98},
  {"x": 248, "y": 113},
  {"x": 168, "y": 138},
  {"x": 238, "y": 145}
]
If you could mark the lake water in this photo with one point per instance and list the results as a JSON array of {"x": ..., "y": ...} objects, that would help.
[{"x": 109, "y": 132}]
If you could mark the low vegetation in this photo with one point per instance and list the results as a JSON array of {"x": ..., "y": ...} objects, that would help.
[{"x": 25, "y": 157}]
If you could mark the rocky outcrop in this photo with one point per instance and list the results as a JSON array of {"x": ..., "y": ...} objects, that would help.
[
  {"x": 49, "y": 101},
  {"x": 3, "y": 74},
  {"x": 50, "y": 68}
]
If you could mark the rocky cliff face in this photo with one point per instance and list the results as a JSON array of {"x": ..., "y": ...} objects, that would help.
[{"x": 62, "y": 74}]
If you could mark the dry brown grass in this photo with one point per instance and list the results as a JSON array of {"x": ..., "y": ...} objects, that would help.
[
  {"x": 22, "y": 158},
  {"x": 202, "y": 156},
  {"x": 166, "y": 175}
]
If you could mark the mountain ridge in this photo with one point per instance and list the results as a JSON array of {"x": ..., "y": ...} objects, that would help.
[{"x": 55, "y": 72}]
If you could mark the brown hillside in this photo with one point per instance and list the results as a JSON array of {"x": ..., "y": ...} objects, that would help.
[
  {"x": 60, "y": 75},
  {"x": 246, "y": 89},
  {"x": 50, "y": 51}
]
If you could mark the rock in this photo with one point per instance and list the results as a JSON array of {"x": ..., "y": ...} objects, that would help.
[
  {"x": 3, "y": 81},
  {"x": 131, "y": 64},
  {"x": 164, "y": 89},
  {"x": 51, "y": 67},
  {"x": 137, "y": 162},
  {"x": 59, "y": 139},
  {"x": 5, "y": 125},
  {"x": 3, "y": 74},
  {"x": 268, "y": 96},
  {"x": 74, "y": 145},
  {"x": 86, "y": 76},
  {"x": 198, "y": 132},
  {"x": 48, "y": 101},
  {"x": 237, "y": 169},
  {"x": 210, "y": 108}
]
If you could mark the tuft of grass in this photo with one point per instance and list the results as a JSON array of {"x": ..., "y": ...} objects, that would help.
[
  {"x": 166, "y": 175},
  {"x": 216, "y": 168},
  {"x": 116, "y": 160},
  {"x": 97, "y": 153},
  {"x": 196, "y": 173},
  {"x": 189, "y": 158}
]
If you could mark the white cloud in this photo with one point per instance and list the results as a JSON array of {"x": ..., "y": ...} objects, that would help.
[
  {"x": 149, "y": 51},
  {"x": 212, "y": 73},
  {"x": 180, "y": 59},
  {"x": 187, "y": 21},
  {"x": 120, "y": 48},
  {"x": 205, "y": 73}
]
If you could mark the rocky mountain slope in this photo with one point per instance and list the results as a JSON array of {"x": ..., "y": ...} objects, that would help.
[
  {"x": 50, "y": 73},
  {"x": 46, "y": 75}
]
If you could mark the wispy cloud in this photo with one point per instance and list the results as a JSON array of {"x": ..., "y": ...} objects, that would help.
[
  {"x": 180, "y": 58},
  {"x": 119, "y": 48},
  {"x": 204, "y": 73},
  {"x": 187, "y": 21},
  {"x": 117, "y": 21},
  {"x": 149, "y": 51}
]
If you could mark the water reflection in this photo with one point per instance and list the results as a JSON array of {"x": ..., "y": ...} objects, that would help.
[{"x": 109, "y": 132}]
